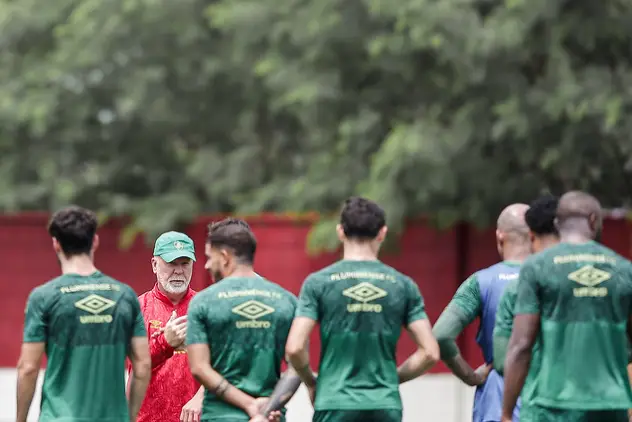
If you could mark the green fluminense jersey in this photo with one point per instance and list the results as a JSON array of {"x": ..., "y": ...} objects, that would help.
[
  {"x": 583, "y": 293},
  {"x": 87, "y": 323},
  {"x": 245, "y": 322},
  {"x": 502, "y": 333},
  {"x": 361, "y": 307}
]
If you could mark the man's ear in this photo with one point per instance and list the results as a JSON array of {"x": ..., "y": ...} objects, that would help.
[
  {"x": 593, "y": 222},
  {"x": 382, "y": 234},
  {"x": 340, "y": 232},
  {"x": 96, "y": 241},
  {"x": 226, "y": 257},
  {"x": 154, "y": 264},
  {"x": 56, "y": 246}
]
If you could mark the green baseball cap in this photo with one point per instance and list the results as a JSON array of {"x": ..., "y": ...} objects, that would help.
[{"x": 173, "y": 245}]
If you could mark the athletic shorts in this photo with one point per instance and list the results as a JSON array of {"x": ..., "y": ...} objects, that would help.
[
  {"x": 547, "y": 414},
  {"x": 389, "y": 415}
]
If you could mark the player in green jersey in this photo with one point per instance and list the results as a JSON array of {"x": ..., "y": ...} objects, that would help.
[
  {"x": 237, "y": 331},
  {"x": 577, "y": 297},
  {"x": 87, "y": 324},
  {"x": 361, "y": 305},
  {"x": 540, "y": 217}
]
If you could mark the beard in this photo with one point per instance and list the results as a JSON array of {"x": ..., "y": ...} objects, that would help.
[
  {"x": 217, "y": 275},
  {"x": 175, "y": 286}
]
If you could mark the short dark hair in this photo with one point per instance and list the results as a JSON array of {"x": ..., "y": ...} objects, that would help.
[
  {"x": 74, "y": 228},
  {"x": 361, "y": 218},
  {"x": 540, "y": 216},
  {"x": 236, "y": 235}
]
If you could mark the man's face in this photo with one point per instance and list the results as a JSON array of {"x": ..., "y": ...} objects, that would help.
[
  {"x": 217, "y": 262},
  {"x": 175, "y": 276}
]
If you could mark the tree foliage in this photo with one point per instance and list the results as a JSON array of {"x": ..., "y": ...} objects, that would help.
[{"x": 453, "y": 109}]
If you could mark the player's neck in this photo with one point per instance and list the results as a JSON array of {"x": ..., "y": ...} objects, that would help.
[
  {"x": 242, "y": 271},
  {"x": 78, "y": 264},
  {"x": 355, "y": 251},
  {"x": 515, "y": 253},
  {"x": 548, "y": 241},
  {"x": 575, "y": 238},
  {"x": 575, "y": 230}
]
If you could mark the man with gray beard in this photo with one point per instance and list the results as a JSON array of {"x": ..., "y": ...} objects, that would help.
[{"x": 173, "y": 394}]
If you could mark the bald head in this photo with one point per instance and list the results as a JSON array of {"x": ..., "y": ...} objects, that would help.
[
  {"x": 512, "y": 220},
  {"x": 577, "y": 204}
]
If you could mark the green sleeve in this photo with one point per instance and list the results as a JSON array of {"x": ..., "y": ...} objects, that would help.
[
  {"x": 464, "y": 308},
  {"x": 308, "y": 300},
  {"x": 35, "y": 319},
  {"x": 415, "y": 306},
  {"x": 504, "y": 325},
  {"x": 528, "y": 296},
  {"x": 139, "y": 329},
  {"x": 197, "y": 322},
  {"x": 500, "y": 344}
]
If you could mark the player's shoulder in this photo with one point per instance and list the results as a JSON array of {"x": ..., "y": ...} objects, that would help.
[
  {"x": 45, "y": 289},
  {"x": 51, "y": 287},
  {"x": 125, "y": 289},
  {"x": 277, "y": 288}
]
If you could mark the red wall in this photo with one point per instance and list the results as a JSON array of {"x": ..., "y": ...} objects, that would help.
[{"x": 438, "y": 261}]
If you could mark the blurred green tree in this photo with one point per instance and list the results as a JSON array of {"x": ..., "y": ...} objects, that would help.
[{"x": 452, "y": 109}]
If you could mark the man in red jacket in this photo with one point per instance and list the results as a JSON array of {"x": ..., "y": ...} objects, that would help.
[{"x": 173, "y": 394}]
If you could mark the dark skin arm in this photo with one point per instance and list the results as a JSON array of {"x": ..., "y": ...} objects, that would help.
[
  {"x": 523, "y": 337},
  {"x": 283, "y": 392}
]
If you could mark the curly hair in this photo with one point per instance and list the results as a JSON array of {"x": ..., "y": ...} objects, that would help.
[
  {"x": 234, "y": 234},
  {"x": 540, "y": 216},
  {"x": 74, "y": 228},
  {"x": 362, "y": 218}
]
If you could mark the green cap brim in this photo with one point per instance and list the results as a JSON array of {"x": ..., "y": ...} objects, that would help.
[{"x": 172, "y": 256}]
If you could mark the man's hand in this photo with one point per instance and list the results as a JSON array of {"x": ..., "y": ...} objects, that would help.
[
  {"x": 255, "y": 411},
  {"x": 274, "y": 417},
  {"x": 192, "y": 411},
  {"x": 176, "y": 330},
  {"x": 481, "y": 373},
  {"x": 312, "y": 394},
  {"x": 257, "y": 406},
  {"x": 506, "y": 418}
]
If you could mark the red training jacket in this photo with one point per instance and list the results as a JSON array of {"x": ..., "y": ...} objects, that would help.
[{"x": 172, "y": 384}]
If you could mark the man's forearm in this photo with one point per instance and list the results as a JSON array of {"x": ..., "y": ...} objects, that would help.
[
  {"x": 137, "y": 390},
  {"x": 517, "y": 368},
  {"x": 27, "y": 382},
  {"x": 199, "y": 393},
  {"x": 462, "y": 370},
  {"x": 300, "y": 363},
  {"x": 283, "y": 392},
  {"x": 416, "y": 365}
]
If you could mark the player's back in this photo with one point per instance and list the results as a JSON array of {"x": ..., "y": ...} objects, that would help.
[
  {"x": 362, "y": 308},
  {"x": 585, "y": 300},
  {"x": 492, "y": 282},
  {"x": 87, "y": 323},
  {"x": 246, "y": 322}
]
